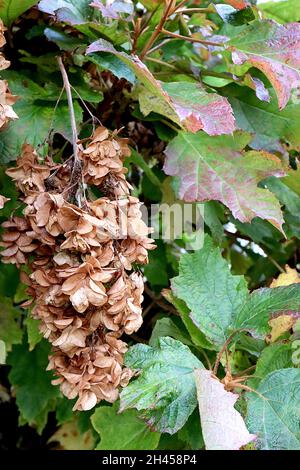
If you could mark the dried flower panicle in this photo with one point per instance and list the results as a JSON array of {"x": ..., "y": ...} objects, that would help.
[
  {"x": 6, "y": 98},
  {"x": 79, "y": 252}
]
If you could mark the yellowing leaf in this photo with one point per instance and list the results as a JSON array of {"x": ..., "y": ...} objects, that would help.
[
  {"x": 223, "y": 427},
  {"x": 69, "y": 437},
  {"x": 279, "y": 326},
  {"x": 290, "y": 276}
]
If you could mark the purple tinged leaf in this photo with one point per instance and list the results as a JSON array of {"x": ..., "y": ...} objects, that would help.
[
  {"x": 275, "y": 50},
  {"x": 258, "y": 86},
  {"x": 106, "y": 11},
  {"x": 185, "y": 103},
  {"x": 217, "y": 168},
  {"x": 223, "y": 427},
  {"x": 113, "y": 10},
  {"x": 198, "y": 109}
]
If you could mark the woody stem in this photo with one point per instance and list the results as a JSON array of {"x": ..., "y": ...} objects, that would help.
[{"x": 67, "y": 87}]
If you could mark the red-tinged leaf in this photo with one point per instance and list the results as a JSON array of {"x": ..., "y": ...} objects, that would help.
[
  {"x": 238, "y": 4},
  {"x": 223, "y": 427},
  {"x": 275, "y": 50},
  {"x": 198, "y": 109},
  {"x": 217, "y": 168},
  {"x": 185, "y": 103}
]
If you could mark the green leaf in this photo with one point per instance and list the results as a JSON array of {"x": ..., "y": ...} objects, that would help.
[
  {"x": 11, "y": 9},
  {"x": 2, "y": 352},
  {"x": 263, "y": 119},
  {"x": 191, "y": 432},
  {"x": 133, "y": 433},
  {"x": 10, "y": 329},
  {"x": 216, "y": 168},
  {"x": 198, "y": 338},
  {"x": 211, "y": 292},
  {"x": 165, "y": 390},
  {"x": 274, "y": 357},
  {"x": 37, "y": 116},
  {"x": 33, "y": 332},
  {"x": 273, "y": 412},
  {"x": 168, "y": 327},
  {"x": 235, "y": 17},
  {"x": 114, "y": 64},
  {"x": 220, "y": 303},
  {"x": 32, "y": 384},
  {"x": 273, "y": 49},
  {"x": 283, "y": 11},
  {"x": 262, "y": 303}
]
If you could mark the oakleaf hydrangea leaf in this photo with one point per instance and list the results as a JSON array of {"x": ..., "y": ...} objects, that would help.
[
  {"x": 216, "y": 168},
  {"x": 165, "y": 390},
  {"x": 223, "y": 427},
  {"x": 273, "y": 49},
  {"x": 273, "y": 412}
]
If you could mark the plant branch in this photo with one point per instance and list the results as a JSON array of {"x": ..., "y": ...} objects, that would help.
[
  {"x": 190, "y": 39},
  {"x": 196, "y": 10},
  {"x": 158, "y": 29},
  {"x": 67, "y": 87},
  {"x": 223, "y": 349}
]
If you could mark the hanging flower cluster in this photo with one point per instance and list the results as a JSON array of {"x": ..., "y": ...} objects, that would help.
[
  {"x": 81, "y": 253},
  {"x": 6, "y": 98}
]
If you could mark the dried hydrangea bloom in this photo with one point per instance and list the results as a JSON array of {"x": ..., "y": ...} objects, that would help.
[
  {"x": 123, "y": 309},
  {"x": 6, "y": 99},
  {"x": 2, "y": 30},
  {"x": 42, "y": 210},
  {"x": 17, "y": 241},
  {"x": 3, "y": 200},
  {"x": 84, "y": 284},
  {"x": 104, "y": 155},
  {"x": 94, "y": 373},
  {"x": 29, "y": 174},
  {"x": 82, "y": 295}
]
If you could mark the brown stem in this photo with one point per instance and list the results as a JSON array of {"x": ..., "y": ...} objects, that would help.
[
  {"x": 190, "y": 39},
  {"x": 223, "y": 349},
  {"x": 242, "y": 372},
  {"x": 67, "y": 87},
  {"x": 196, "y": 10},
  {"x": 158, "y": 29},
  {"x": 160, "y": 302}
]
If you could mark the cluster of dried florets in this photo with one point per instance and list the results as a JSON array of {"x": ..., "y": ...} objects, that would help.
[
  {"x": 6, "y": 98},
  {"x": 80, "y": 251}
]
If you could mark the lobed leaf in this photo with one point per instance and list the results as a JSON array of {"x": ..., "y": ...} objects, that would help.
[
  {"x": 216, "y": 168},
  {"x": 273, "y": 411},
  {"x": 273, "y": 49},
  {"x": 165, "y": 390}
]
